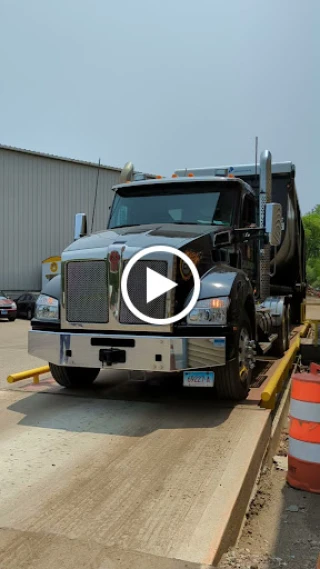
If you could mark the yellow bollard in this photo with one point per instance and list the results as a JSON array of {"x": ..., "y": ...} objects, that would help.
[{"x": 34, "y": 373}]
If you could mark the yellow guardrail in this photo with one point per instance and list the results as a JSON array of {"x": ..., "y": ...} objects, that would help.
[
  {"x": 269, "y": 395},
  {"x": 34, "y": 373}
]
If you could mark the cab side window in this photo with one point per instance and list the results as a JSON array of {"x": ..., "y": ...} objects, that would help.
[{"x": 248, "y": 216}]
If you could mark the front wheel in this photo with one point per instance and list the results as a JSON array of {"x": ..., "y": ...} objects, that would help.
[
  {"x": 11, "y": 318},
  {"x": 233, "y": 380},
  {"x": 73, "y": 377}
]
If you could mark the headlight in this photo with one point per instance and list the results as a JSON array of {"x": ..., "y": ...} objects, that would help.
[
  {"x": 210, "y": 311},
  {"x": 14, "y": 306},
  {"x": 47, "y": 308}
]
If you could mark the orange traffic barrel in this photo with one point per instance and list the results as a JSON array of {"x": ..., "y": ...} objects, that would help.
[{"x": 304, "y": 431}]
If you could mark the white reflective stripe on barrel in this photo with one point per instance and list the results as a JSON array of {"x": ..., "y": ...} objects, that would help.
[
  {"x": 305, "y": 411},
  {"x": 310, "y": 452}
]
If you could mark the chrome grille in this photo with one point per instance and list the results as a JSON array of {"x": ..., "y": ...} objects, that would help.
[
  {"x": 137, "y": 291},
  {"x": 87, "y": 291}
]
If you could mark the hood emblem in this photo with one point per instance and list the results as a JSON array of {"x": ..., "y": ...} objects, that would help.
[
  {"x": 195, "y": 257},
  {"x": 114, "y": 259}
]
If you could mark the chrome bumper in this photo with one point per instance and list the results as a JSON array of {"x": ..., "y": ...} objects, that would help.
[{"x": 149, "y": 353}]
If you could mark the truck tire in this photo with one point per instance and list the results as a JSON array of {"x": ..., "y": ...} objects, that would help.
[
  {"x": 281, "y": 344},
  {"x": 75, "y": 377},
  {"x": 233, "y": 381}
]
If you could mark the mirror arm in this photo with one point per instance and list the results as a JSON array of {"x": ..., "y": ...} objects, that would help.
[{"x": 248, "y": 233}]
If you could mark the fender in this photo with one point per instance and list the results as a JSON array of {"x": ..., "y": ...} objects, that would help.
[
  {"x": 223, "y": 280},
  {"x": 53, "y": 288}
]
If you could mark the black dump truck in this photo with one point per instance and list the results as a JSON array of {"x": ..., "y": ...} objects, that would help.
[{"x": 229, "y": 239}]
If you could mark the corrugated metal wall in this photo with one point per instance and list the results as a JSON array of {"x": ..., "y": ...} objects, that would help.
[{"x": 39, "y": 199}]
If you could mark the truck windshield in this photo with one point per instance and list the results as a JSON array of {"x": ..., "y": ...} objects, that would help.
[{"x": 190, "y": 203}]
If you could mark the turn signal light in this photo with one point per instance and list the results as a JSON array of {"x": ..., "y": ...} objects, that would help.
[
  {"x": 216, "y": 303},
  {"x": 190, "y": 175}
]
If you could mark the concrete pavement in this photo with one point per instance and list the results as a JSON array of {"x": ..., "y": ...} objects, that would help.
[{"x": 121, "y": 476}]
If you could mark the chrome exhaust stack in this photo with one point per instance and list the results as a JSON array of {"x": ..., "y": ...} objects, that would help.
[{"x": 265, "y": 195}]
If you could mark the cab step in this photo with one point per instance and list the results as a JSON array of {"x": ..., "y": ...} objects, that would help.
[{"x": 265, "y": 346}]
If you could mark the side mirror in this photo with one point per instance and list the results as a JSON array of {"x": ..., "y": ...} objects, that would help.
[
  {"x": 223, "y": 238},
  {"x": 274, "y": 223},
  {"x": 80, "y": 225}
]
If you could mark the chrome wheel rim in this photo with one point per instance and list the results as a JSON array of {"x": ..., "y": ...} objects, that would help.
[{"x": 243, "y": 354}]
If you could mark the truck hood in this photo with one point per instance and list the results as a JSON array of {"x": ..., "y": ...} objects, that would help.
[{"x": 142, "y": 236}]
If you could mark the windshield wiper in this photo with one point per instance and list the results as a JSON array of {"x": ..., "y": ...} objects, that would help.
[
  {"x": 128, "y": 225},
  {"x": 182, "y": 222},
  {"x": 197, "y": 223}
]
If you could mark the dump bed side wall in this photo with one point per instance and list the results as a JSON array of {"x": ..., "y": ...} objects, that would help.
[{"x": 290, "y": 257}]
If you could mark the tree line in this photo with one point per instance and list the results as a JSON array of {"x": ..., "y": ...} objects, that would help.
[{"x": 311, "y": 223}]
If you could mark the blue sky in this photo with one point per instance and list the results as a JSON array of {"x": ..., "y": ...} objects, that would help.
[{"x": 165, "y": 85}]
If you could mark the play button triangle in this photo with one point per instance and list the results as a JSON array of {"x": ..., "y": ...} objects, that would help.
[{"x": 157, "y": 285}]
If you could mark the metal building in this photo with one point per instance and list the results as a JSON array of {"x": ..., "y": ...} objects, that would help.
[{"x": 40, "y": 195}]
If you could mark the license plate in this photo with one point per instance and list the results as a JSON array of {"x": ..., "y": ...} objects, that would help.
[
  {"x": 198, "y": 379},
  {"x": 4, "y": 312}
]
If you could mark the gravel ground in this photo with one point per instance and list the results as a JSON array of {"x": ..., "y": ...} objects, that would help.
[{"x": 282, "y": 529}]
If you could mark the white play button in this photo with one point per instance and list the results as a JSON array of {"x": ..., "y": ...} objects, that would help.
[{"x": 157, "y": 285}]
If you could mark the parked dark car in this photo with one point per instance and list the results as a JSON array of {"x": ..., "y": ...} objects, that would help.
[
  {"x": 8, "y": 308},
  {"x": 26, "y": 304}
]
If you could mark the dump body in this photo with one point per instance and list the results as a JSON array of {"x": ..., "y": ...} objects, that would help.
[{"x": 289, "y": 262}]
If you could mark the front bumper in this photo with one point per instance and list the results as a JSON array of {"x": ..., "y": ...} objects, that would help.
[{"x": 145, "y": 353}]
